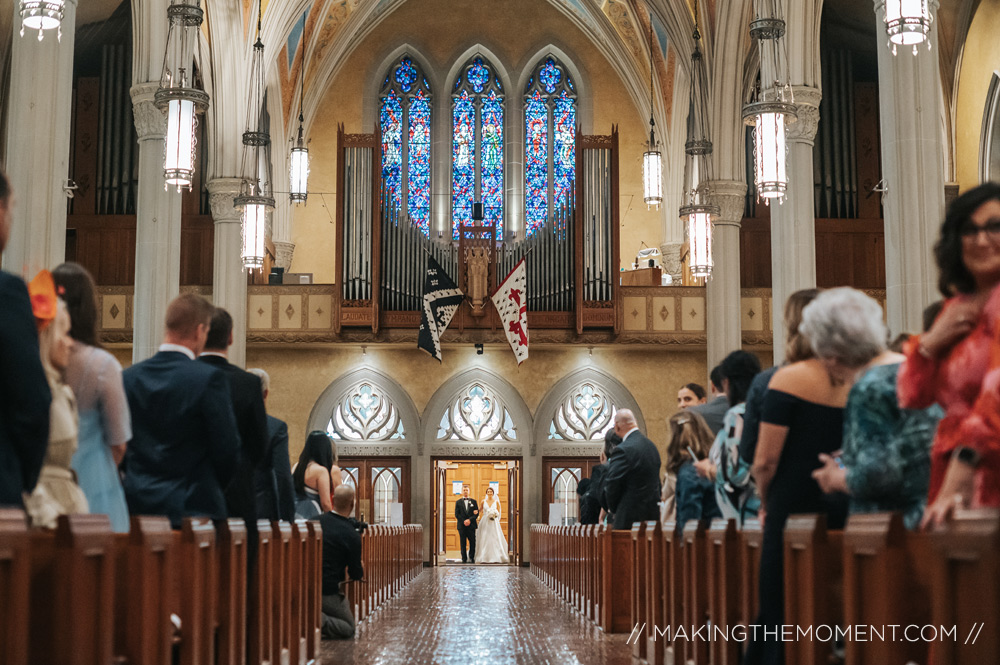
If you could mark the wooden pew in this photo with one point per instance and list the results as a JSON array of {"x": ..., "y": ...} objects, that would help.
[
  {"x": 966, "y": 588},
  {"x": 297, "y": 592},
  {"x": 314, "y": 589},
  {"x": 281, "y": 596},
  {"x": 231, "y": 550},
  {"x": 695, "y": 594},
  {"x": 593, "y": 567},
  {"x": 196, "y": 570},
  {"x": 15, "y": 575},
  {"x": 637, "y": 614},
  {"x": 673, "y": 589},
  {"x": 616, "y": 587},
  {"x": 145, "y": 571},
  {"x": 72, "y": 592},
  {"x": 751, "y": 541},
  {"x": 260, "y": 599},
  {"x": 654, "y": 581},
  {"x": 723, "y": 589},
  {"x": 813, "y": 576}
]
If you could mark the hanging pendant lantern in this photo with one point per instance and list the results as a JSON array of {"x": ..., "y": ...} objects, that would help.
[
  {"x": 298, "y": 170},
  {"x": 255, "y": 199},
  {"x": 178, "y": 95},
  {"x": 772, "y": 107},
  {"x": 652, "y": 161},
  {"x": 699, "y": 233},
  {"x": 42, "y": 15},
  {"x": 907, "y": 22}
]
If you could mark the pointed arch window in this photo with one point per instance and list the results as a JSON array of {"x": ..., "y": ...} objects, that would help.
[
  {"x": 477, "y": 164},
  {"x": 550, "y": 141},
  {"x": 405, "y": 121}
]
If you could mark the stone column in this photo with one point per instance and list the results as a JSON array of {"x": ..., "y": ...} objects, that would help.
[
  {"x": 722, "y": 292},
  {"x": 229, "y": 280},
  {"x": 913, "y": 168},
  {"x": 158, "y": 228},
  {"x": 38, "y": 131},
  {"x": 793, "y": 222}
]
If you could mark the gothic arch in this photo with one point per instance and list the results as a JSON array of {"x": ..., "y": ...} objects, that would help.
[
  {"x": 389, "y": 425},
  {"x": 455, "y": 422},
  {"x": 563, "y": 425},
  {"x": 585, "y": 101},
  {"x": 375, "y": 78}
]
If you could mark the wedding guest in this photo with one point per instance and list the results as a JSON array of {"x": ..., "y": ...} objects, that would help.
[
  {"x": 590, "y": 509},
  {"x": 957, "y": 362},
  {"x": 599, "y": 472},
  {"x": 632, "y": 483},
  {"x": 341, "y": 554},
  {"x": 885, "y": 461},
  {"x": 734, "y": 493},
  {"x": 694, "y": 495},
  {"x": 690, "y": 394},
  {"x": 25, "y": 395},
  {"x": 56, "y": 492},
  {"x": 96, "y": 379},
  {"x": 185, "y": 443},
  {"x": 797, "y": 348},
  {"x": 314, "y": 476},
  {"x": 274, "y": 486},
  {"x": 251, "y": 420},
  {"x": 713, "y": 412},
  {"x": 803, "y": 417}
]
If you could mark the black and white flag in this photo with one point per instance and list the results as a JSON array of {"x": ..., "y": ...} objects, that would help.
[{"x": 441, "y": 301}]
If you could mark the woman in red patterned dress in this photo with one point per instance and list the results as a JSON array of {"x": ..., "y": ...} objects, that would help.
[{"x": 957, "y": 362}]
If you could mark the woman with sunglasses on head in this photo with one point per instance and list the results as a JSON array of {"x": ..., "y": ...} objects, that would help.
[{"x": 957, "y": 362}]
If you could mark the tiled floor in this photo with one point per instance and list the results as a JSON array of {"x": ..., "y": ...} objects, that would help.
[{"x": 454, "y": 615}]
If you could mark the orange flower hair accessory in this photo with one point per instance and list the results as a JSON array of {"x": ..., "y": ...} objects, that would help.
[{"x": 42, "y": 291}]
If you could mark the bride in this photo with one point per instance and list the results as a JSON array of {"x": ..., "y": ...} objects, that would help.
[{"x": 491, "y": 546}]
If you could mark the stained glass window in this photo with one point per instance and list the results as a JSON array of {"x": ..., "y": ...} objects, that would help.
[
  {"x": 549, "y": 165},
  {"x": 477, "y": 168},
  {"x": 406, "y": 165}
]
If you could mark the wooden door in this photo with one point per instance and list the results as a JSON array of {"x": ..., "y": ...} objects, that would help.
[
  {"x": 560, "y": 478},
  {"x": 478, "y": 475},
  {"x": 379, "y": 483}
]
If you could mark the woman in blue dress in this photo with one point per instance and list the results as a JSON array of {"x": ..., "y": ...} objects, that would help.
[{"x": 95, "y": 377}]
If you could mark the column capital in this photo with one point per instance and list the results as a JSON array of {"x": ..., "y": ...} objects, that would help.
[
  {"x": 284, "y": 251},
  {"x": 730, "y": 197},
  {"x": 221, "y": 192},
  {"x": 150, "y": 121},
  {"x": 807, "y": 100}
]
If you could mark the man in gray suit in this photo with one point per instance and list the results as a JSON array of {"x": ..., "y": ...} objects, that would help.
[
  {"x": 714, "y": 411},
  {"x": 632, "y": 483}
]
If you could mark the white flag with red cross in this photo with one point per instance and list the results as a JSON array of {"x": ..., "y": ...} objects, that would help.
[{"x": 511, "y": 301}]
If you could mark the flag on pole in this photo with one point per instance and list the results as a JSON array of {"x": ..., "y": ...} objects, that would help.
[
  {"x": 511, "y": 300},
  {"x": 441, "y": 301}
]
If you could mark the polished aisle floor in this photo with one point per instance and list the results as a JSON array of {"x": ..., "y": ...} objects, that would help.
[{"x": 453, "y": 615}]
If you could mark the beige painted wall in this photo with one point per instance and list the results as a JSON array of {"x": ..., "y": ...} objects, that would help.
[
  {"x": 298, "y": 376},
  {"x": 514, "y": 30},
  {"x": 980, "y": 59}
]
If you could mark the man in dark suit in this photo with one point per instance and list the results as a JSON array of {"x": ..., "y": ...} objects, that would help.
[
  {"x": 274, "y": 487},
  {"x": 632, "y": 482},
  {"x": 185, "y": 445},
  {"x": 466, "y": 512},
  {"x": 599, "y": 472},
  {"x": 251, "y": 419},
  {"x": 713, "y": 412},
  {"x": 24, "y": 391}
]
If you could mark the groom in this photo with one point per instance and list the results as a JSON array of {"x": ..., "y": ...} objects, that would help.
[{"x": 466, "y": 510}]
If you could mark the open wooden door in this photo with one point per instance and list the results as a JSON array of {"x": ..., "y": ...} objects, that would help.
[
  {"x": 438, "y": 513},
  {"x": 514, "y": 510}
]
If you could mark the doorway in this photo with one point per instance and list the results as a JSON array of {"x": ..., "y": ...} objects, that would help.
[
  {"x": 381, "y": 486},
  {"x": 449, "y": 475},
  {"x": 560, "y": 478}
]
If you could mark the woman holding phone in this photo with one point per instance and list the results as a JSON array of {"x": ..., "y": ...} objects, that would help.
[{"x": 690, "y": 441}]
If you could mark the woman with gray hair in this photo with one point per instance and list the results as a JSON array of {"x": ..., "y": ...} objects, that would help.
[{"x": 803, "y": 417}]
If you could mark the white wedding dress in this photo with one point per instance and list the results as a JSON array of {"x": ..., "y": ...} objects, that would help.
[{"x": 491, "y": 546}]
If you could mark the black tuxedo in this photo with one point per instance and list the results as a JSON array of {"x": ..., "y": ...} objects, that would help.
[
  {"x": 185, "y": 446},
  {"x": 251, "y": 421},
  {"x": 25, "y": 397},
  {"x": 275, "y": 491},
  {"x": 632, "y": 481},
  {"x": 466, "y": 509}
]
